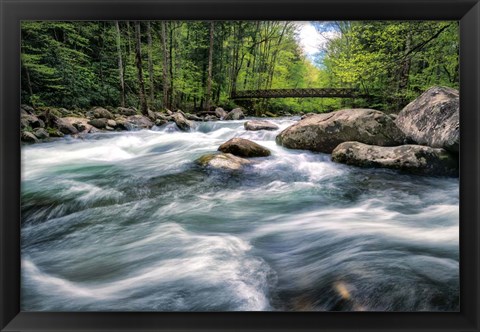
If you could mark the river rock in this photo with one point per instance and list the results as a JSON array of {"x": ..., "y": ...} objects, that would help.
[
  {"x": 27, "y": 109},
  {"x": 223, "y": 161},
  {"x": 100, "y": 112},
  {"x": 181, "y": 121},
  {"x": 139, "y": 122},
  {"x": 28, "y": 120},
  {"x": 220, "y": 113},
  {"x": 193, "y": 117},
  {"x": 41, "y": 133},
  {"x": 65, "y": 126},
  {"x": 81, "y": 124},
  {"x": 433, "y": 119},
  {"x": 235, "y": 114},
  {"x": 416, "y": 159},
  {"x": 100, "y": 123},
  {"x": 126, "y": 111},
  {"x": 244, "y": 148},
  {"x": 28, "y": 137},
  {"x": 259, "y": 125},
  {"x": 323, "y": 132},
  {"x": 111, "y": 123},
  {"x": 210, "y": 118}
]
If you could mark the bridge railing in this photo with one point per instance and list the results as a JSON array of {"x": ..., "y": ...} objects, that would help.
[{"x": 297, "y": 93}]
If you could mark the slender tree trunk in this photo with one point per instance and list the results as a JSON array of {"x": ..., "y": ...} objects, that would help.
[
  {"x": 165, "y": 81},
  {"x": 172, "y": 91},
  {"x": 120, "y": 66},
  {"x": 210, "y": 66},
  {"x": 138, "y": 57},
  {"x": 150, "y": 63}
]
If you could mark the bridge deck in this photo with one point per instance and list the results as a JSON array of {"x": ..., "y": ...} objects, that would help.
[{"x": 297, "y": 93}]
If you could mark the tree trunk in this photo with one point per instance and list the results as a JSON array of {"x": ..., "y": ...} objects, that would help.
[
  {"x": 138, "y": 58},
  {"x": 165, "y": 81},
  {"x": 210, "y": 65},
  {"x": 172, "y": 91},
  {"x": 150, "y": 63},
  {"x": 120, "y": 66}
]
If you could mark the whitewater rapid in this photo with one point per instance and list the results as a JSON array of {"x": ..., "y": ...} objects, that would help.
[{"x": 126, "y": 221}]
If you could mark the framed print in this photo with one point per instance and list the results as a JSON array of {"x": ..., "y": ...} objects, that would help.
[{"x": 239, "y": 165}]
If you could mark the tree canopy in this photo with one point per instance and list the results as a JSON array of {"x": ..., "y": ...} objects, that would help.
[{"x": 196, "y": 65}]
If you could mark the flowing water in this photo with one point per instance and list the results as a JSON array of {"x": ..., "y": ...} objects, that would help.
[{"x": 126, "y": 221}]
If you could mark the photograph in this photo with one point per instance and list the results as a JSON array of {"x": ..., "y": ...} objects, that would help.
[{"x": 240, "y": 165}]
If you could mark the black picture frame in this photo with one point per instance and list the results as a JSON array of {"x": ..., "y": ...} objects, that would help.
[{"x": 14, "y": 11}]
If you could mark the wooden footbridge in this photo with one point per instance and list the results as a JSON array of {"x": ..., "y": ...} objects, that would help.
[{"x": 297, "y": 93}]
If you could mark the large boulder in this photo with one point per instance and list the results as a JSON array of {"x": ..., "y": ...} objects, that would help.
[
  {"x": 417, "y": 159},
  {"x": 100, "y": 112},
  {"x": 139, "y": 122},
  {"x": 433, "y": 119},
  {"x": 323, "y": 132},
  {"x": 220, "y": 113},
  {"x": 193, "y": 117},
  {"x": 181, "y": 121},
  {"x": 244, "y": 148},
  {"x": 259, "y": 125},
  {"x": 223, "y": 161},
  {"x": 235, "y": 114}
]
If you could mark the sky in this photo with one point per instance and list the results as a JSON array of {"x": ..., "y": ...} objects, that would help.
[{"x": 311, "y": 40}]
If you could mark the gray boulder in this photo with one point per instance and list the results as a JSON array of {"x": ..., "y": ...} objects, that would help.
[
  {"x": 28, "y": 120},
  {"x": 433, "y": 119},
  {"x": 235, "y": 114},
  {"x": 81, "y": 124},
  {"x": 28, "y": 137},
  {"x": 41, "y": 133},
  {"x": 139, "y": 122},
  {"x": 244, "y": 148},
  {"x": 220, "y": 113},
  {"x": 259, "y": 125},
  {"x": 98, "y": 123},
  {"x": 126, "y": 111},
  {"x": 181, "y": 121},
  {"x": 417, "y": 159},
  {"x": 193, "y": 117},
  {"x": 65, "y": 126},
  {"x": 100, "y": 112},
  {"x": 323, "y": 132},
  {"x": 223, "y": 161}
]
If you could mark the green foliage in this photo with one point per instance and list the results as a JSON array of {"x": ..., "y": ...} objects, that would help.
[{"x": 76, "y": 64}]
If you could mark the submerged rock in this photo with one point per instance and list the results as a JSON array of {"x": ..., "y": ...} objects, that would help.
[
  {"x": 223, "y": 161},
  {"x": 433, "y": 119},
  {"x": 323, "y": 132},
  {"x": 416, "y": 159},
  {"x": 235, "y": 114},
  {"x": 259, "y": 125},
  {"x": 244, "y": 148}
]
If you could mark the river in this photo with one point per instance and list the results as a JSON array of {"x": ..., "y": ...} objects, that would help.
[{"x": 126, "y": 221}]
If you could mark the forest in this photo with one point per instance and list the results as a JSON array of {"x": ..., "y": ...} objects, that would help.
[{"x": 196, "y": 65}]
